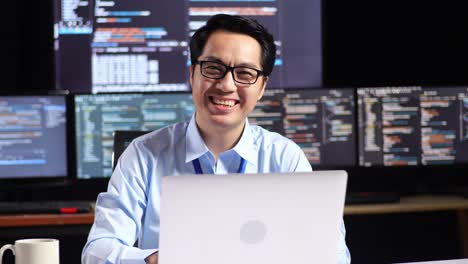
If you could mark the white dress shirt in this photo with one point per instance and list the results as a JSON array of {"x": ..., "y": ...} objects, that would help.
[{"x": 129, "y": 210}]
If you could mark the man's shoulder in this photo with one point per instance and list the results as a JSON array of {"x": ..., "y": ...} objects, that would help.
[
  {"x": 266, "y": 138},
  {"x": 162, "y": 138},
  {"x": 283, "y": 153}
]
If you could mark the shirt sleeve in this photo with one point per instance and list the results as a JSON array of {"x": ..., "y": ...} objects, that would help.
[
  {"x": 344, "y": 257},
  {"x": 303, "y": 164},
  {"x": 293, "y": 158},
  {"x": 118, "y": 216}
]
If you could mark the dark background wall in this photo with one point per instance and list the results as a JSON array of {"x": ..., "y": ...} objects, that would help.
[
  {"x": 366, "y": 43},
  {"x": 28, "y": 46},
  {"x": 398, "y": 42}
]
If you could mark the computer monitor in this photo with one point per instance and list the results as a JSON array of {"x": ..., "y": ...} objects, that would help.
[
  {"x": 413, "y": 126},
  {"x": 413, "y": 139},
  {"x": 97, "y": 116},
  {"x": 321, "y": 121},
  {"x": 141, "y": 46},
  {"x": 33, "y": 140}
]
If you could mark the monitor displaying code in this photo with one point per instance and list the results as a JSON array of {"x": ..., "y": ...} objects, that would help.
[
  {"x": 105, "y": 46},
  {"x": 409, "y": 126},
  {"x": 320, "y": 121},
  {"x": 33, "y": 136},
  {"x": 98, "y": 116}
]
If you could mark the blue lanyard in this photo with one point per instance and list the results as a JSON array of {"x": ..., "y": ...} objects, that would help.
[{"x": 198, "y": 169}]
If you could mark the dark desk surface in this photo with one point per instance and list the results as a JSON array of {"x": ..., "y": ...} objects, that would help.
[
  {"x": 454, "y": 261},
  {"x": 45, "y": 219},
  {"x": 421, "y": 204},
  {"x": 411, "y": 204},
  {"x": 406, "y": 205}
]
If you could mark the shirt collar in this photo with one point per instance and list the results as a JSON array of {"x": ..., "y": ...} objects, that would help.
[
  {"x": 246, "y": 147},
  {"x": 195, "y": 145}
]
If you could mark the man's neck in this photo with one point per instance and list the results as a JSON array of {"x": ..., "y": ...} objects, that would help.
[{"x": 220, "y": 140}]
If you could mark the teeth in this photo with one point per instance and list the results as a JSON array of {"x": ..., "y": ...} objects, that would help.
[{"x": 223, "y": 102}]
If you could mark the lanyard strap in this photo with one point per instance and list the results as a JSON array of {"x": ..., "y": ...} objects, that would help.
[{"x": 198, "y": 169}]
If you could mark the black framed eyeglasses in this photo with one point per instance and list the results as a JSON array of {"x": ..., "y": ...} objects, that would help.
[{"x": 217, "y": 70}]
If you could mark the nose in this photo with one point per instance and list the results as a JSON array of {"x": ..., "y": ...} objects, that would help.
[{"x": 227, "y": 83}]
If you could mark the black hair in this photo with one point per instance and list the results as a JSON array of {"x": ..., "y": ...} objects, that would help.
[{"x": 236, "y": 24}]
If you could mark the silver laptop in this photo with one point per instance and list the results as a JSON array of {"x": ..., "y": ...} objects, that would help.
[{"x": 270, "y": 218}]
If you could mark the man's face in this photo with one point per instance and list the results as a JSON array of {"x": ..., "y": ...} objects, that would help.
[{"x": 225, "y": 103}]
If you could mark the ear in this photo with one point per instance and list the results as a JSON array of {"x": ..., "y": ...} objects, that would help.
[
  {"x": 192, "y": 68},
  {"x": 265, "y": 81}
]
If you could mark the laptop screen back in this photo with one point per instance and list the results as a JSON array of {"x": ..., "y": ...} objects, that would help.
[{"x": 252, "y": 218}]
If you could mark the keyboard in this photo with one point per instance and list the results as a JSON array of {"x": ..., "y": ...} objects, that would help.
[
  {"x": 372, "y": 197},
  {"x": 45, "y": 207}
]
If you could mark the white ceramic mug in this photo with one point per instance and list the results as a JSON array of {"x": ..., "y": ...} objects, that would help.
[{"x": 34, "y": 251}]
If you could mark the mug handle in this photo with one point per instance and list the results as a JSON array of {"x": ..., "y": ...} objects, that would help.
[{"x": 4, "y": 248}]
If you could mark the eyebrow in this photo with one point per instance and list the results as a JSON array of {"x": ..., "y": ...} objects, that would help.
[{"x": 245, "y": 64}]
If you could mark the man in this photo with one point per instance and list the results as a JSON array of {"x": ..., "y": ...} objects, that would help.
[{"x": 232, "y": 58}]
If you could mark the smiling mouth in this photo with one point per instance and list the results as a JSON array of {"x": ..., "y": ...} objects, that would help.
[{"x": 223, "y": 102}]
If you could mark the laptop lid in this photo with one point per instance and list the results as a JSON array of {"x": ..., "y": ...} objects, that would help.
[{"x": 273, "y": 218}]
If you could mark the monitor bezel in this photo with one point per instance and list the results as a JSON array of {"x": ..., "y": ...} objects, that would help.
[
  {"x": 11, "y": 185},
  {"x": 100, "y": 180},
  {"x": 323, "y": 88},
  {"x": 408, "y": 179}
]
